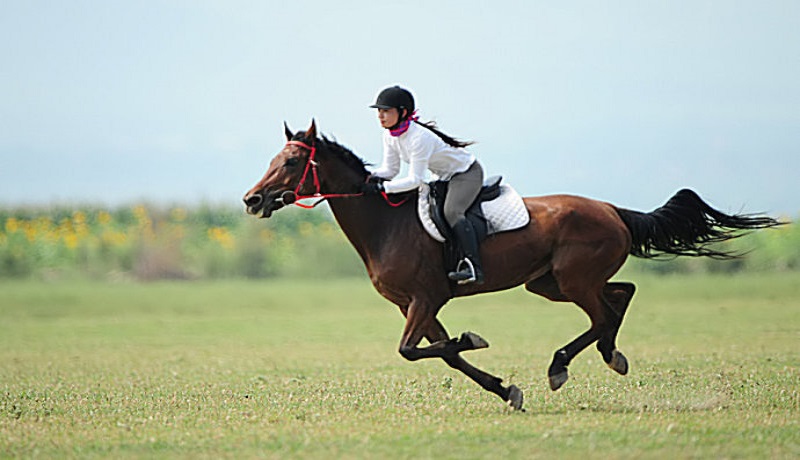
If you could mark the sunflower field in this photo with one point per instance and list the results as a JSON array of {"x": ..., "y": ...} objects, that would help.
[
  {"x": 146, "y": 242},
  {"x": 149, "y": 242}
]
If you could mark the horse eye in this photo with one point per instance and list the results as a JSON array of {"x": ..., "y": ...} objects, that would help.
[{"x": 291, "y": 162}]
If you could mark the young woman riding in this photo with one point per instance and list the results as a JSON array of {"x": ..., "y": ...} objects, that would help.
[{"x": 424, "y": 147}]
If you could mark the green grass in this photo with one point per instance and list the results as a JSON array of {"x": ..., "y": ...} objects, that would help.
[{"x": 309, "y": 369}]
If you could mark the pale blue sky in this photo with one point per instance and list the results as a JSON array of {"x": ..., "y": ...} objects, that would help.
[{"x": 113, "y": 102}]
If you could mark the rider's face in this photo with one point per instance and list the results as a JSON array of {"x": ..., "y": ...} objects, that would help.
[{"x": 388, "y": 117}]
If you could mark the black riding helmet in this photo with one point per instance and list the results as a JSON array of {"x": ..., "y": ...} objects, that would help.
[{"x": 395, "y": 97}]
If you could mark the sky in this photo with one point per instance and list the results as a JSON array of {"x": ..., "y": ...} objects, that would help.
[{"x": 183, "y": 102}]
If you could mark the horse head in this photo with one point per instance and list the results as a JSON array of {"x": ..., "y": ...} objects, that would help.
[
  {"x": 297, "y": 172},
  {"x": 282, "y": 181}
]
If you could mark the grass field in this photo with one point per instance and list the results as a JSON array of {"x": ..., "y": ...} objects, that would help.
[{"x": 309, "y": 369}]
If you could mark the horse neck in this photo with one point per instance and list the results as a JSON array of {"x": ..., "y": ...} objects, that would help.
[
  {"x": 365, "y": 220},
  {"x": 368, "y": 220}
]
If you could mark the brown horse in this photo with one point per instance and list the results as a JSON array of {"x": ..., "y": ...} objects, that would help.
[{"x": 567, "y": 253}]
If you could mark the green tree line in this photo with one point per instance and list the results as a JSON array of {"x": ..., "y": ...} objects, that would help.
[{"x": 150, "y": 242}]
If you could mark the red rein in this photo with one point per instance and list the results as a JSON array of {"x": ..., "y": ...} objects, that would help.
[{"x": 312, "y": 166}]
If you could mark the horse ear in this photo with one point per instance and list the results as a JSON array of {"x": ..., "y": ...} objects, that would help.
[
  {"x": 287, "y": 131},
  {"x": 311, "y": 133}
]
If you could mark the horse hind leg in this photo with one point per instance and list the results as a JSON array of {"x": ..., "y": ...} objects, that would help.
[
  {"x": 557, "y": 373},
  {"x": 616, "y": 299},
  {"x": 606, "y": 318},
  {"x": 548, "y": 286}
]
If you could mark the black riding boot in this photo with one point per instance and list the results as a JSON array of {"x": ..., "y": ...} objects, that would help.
[{"x": 469, "y": 269}]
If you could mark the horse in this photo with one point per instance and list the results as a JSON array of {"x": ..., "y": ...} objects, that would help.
[{"x": 568, "y": 252}]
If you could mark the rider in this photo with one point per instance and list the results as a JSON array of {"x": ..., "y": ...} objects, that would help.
[{"x": 424, "y": 147}]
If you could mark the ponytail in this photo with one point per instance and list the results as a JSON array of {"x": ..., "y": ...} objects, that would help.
[{"x": 431, "y": 125}]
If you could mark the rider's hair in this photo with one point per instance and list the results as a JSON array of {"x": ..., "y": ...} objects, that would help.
[{"x": 431, "y": 125}]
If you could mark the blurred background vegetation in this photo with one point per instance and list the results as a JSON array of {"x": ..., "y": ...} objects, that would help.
[{"x": 145, "y": 242}]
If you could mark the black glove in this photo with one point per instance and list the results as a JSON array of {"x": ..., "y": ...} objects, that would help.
[
  {"x": 371, "y": 188},
  {"x": 375, "y": 179}
]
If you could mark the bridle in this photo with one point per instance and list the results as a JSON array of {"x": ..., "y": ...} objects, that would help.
[{"x": 311, "y": 166}]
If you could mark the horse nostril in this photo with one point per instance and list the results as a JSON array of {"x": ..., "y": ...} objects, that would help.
[{"x": 253, "y": 200}]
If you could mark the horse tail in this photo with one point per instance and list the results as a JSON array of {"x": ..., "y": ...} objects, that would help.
[{"x": 687, "y": 226}]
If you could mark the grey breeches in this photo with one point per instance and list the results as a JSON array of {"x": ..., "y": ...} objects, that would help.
[{"x": 464, "y": 188}]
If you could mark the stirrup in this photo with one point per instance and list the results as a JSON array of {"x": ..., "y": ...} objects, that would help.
[{"x": 461, "y": 275}]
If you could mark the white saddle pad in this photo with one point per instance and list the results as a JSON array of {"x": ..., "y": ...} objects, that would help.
[{"x": 504, "y": 213}]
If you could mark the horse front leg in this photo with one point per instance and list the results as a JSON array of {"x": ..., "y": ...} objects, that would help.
[
  {"x": 511, "y": 394},
  {"x": 421, "y": 323}
]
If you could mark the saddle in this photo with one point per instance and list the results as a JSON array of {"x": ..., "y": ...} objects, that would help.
[{"x": 438, "y": 192}]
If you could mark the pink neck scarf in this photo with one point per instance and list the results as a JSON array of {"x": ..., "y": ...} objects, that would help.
[{"x": 403, "y": 127}]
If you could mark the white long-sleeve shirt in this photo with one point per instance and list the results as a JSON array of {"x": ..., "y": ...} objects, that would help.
[{"x": 423, "y": 150}]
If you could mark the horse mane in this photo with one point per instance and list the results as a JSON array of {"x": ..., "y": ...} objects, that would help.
[
  {"x": 347, "y": 156},
  {"x": 350, "y": 159}
]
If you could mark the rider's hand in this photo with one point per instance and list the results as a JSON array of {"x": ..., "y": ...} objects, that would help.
[{"x": 372, "y": 188}]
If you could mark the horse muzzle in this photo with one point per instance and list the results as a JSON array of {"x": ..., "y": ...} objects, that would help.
[{"x": 265, "y": 203}]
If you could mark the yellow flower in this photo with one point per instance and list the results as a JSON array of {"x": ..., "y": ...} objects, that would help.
[
  {"x": 12, "y": 225},
  {"x": 113, "y": 238},
  {"x": 222, "y": 236},
  {"x": 140, "y": 212},
  {"x": 30, "y": 231},
  {"x": 43, "y": 224},
  {"x": 71, "y": 240},
  {"x": 103, "y": 218},
  {"x": 65, "y": 225}
]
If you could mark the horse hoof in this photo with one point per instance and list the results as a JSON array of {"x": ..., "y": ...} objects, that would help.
[
  {"x": 476, "y": 342},
  {"x": 618, "y": 363},
  {"x": 515, "y": 398},
  {"x": 558, "y": 380}
]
